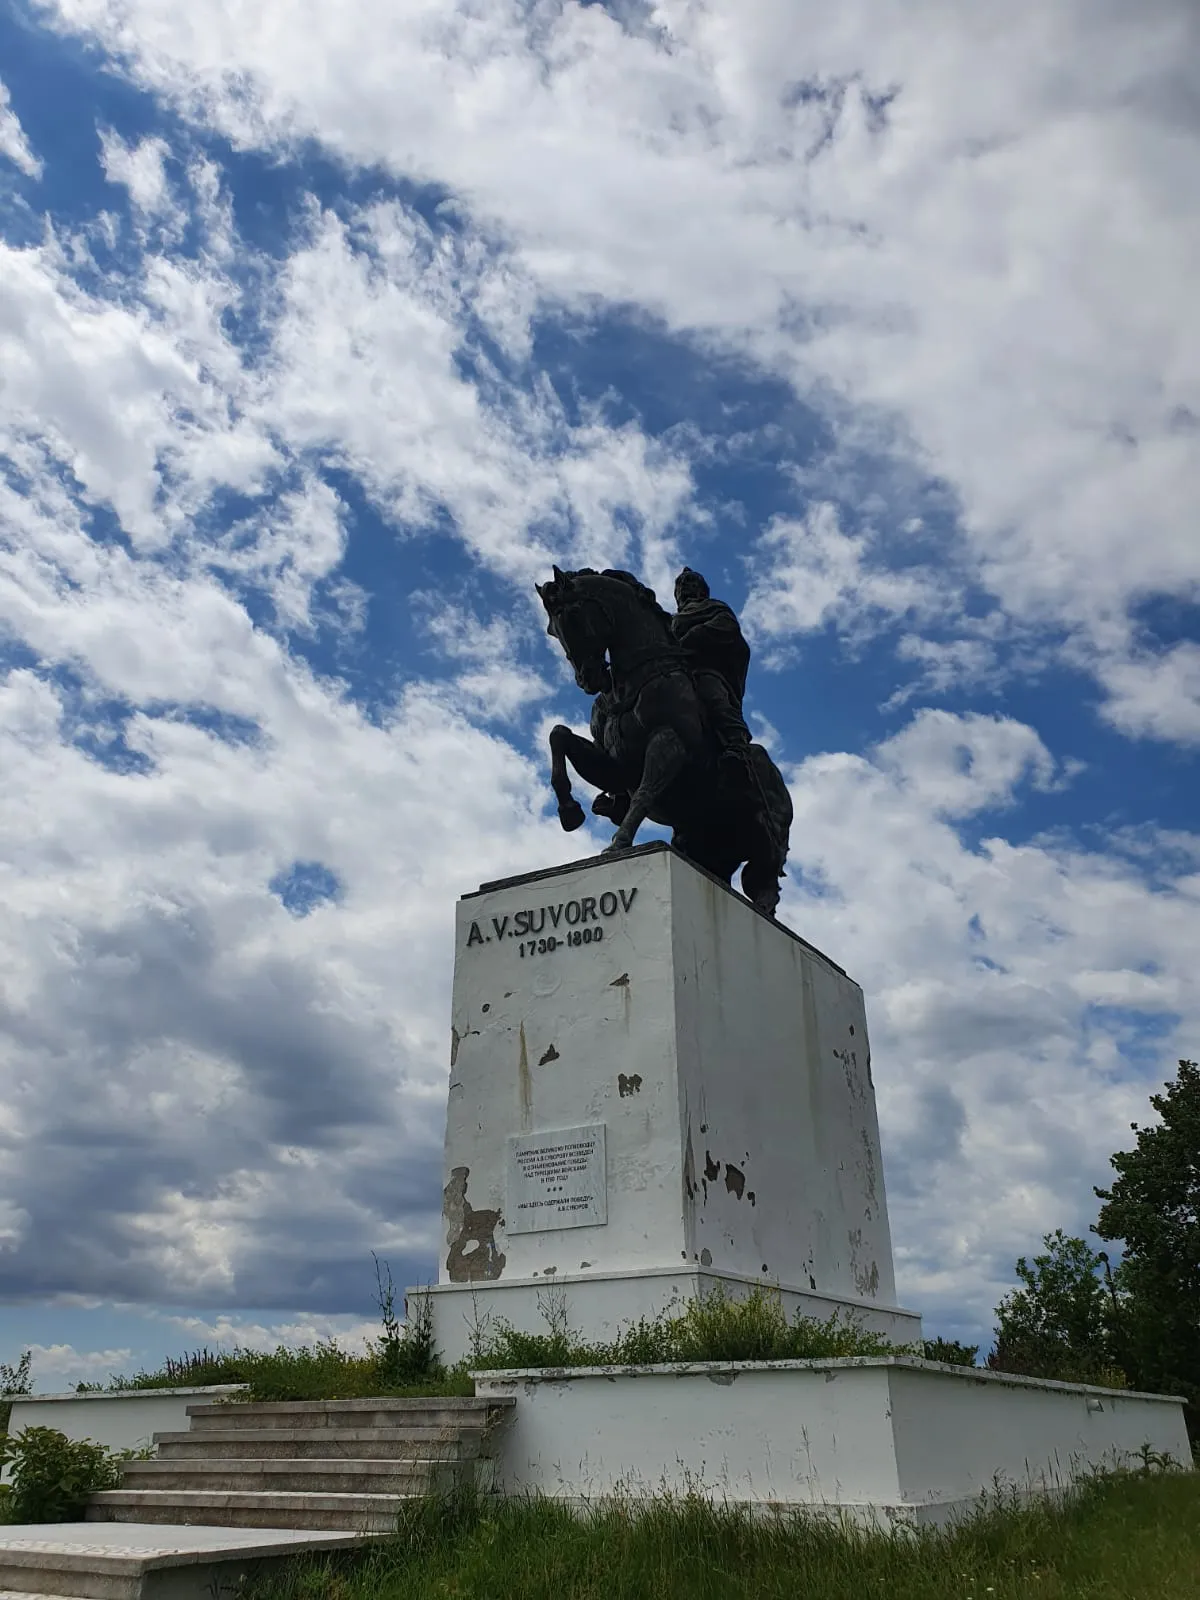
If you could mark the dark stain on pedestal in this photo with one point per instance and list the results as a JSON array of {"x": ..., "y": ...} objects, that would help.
[
  {"x": 525, "y": 1083},
  {"x": 689, "y": 1170},
  {"x": 470, "y": 1234},
  {"x": 628, "y": 1085},
  {"x": 551, "y": 1055},
  {"x": 712, "y": 1169},
  {"x": 735, "y": 1180}
]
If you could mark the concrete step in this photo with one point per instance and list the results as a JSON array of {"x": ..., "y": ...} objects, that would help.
[
  {"x": 411, "y": 1441},
  {"x": 23, "y": 1594},
  {"x": 383, "y": 1412},
  {"x": 110, "y": 1561},
  {"x": 252, "y": 1474},
  {"x": 349, "y": 1513}
]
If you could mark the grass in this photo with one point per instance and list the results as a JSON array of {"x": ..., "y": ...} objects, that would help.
[
  {"x": 1126, "y": 1537},
  {"x": 321, "y": 1371},
  {"x": 403, "y": 1361},
  {"x": 712, "y": 1327}
]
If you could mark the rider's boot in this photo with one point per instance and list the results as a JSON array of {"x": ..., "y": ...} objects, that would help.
[{"x": 733, "y": 767}]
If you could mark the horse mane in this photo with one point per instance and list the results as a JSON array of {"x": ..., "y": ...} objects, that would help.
[{"x": 642, "y": 590}]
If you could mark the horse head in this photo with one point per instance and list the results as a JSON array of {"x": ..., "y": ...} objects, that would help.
[{"x": 581, "y": 623}]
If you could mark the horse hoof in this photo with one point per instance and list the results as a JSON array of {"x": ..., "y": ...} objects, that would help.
[
  {"x": 571, "y": 815},
  {"x": 618, "y": 844}
]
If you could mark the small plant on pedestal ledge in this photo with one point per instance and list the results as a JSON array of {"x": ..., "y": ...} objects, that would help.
[{"x": 405, "y": 1352}]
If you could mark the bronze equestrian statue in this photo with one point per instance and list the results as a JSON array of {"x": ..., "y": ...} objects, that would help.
[{"x": 669, "y": 741}]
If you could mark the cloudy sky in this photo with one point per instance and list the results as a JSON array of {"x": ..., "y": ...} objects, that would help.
[{"x": 324, "y": 329}]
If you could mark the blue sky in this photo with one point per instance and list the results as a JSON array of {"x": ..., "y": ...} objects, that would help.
[{"x": 322, "y": 334}]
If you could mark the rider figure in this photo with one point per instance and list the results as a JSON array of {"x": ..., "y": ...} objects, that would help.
[{"x": 718, "y": 656}]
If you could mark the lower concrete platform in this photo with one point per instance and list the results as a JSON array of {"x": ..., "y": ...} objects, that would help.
[
  {"x": 138, "y": 1561},
  {"x": 881, "y": 1439}
]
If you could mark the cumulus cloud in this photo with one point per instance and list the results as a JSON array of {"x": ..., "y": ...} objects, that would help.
[
  {"x": 1008, "y": 989},
  {"x": 979, "y": 257},
  {"x": 14, "y": 146},
  {"x": 812, "y": 573},
  {"x": 206, "y": 1093},
  {"x": 1156, "y": 696},
  {"x": 141, "y": 169}
]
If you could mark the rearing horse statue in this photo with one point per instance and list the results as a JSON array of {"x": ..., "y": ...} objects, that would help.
[{"x": 651, "y": 750}]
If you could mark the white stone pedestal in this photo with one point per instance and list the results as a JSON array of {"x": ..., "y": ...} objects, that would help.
[{"x": 653, "y": 1089}]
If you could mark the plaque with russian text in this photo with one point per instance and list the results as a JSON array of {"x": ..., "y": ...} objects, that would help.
[{"x": 557, "y": 1180}]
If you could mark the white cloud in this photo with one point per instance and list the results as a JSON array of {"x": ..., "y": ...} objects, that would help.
[
  {"x": 141, "y": 168},
  {"x": 57, "y": 1367},
  {"x": 231, "y": 1332},
  {"x": 991, "y": 273},
  {"x": 1002, "y": 982},
  {"x": 959, "y": 765},
  {"x": 1157, "y": 696},
  {"x": 364, "y": 368},
  {"x": 812, "y": 573},
  {"x": 14, "y": 146}
]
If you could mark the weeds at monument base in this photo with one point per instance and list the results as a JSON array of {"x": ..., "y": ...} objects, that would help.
[
  {"x": 402, "y": 1361},
  {"x": 716, "y": 1326},
  {"x": 1113, "y": 1537}
]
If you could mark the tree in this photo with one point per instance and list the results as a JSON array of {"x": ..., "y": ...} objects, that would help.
[
  {"x": 1154, "y": 1207},
  {"x": 1058, "y": 1324},
  {"x": 13, "y": 1381},
  {"x": 950, "y": 1351}
]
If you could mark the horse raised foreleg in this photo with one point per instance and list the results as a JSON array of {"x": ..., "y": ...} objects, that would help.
[
  {"x": 593, "y": 765},
  {"x": 666, "y": 755}
]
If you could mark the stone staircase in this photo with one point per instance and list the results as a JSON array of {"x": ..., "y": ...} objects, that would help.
[{"x": 332, "y": 1465}]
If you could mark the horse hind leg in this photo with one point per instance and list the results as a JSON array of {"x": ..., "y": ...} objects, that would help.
[{"x": 666, "y": 755}]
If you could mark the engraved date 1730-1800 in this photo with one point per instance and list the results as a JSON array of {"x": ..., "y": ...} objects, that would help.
[{"x": 574, "y": 936}]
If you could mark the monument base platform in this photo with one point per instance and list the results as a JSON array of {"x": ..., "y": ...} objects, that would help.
[
  {"x": 597, "y": 1306},
  {"x": 884, "y": 1441}
]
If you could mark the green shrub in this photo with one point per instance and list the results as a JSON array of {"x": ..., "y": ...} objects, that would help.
[
  {"x": 197, "y": 1369},
  {"x": 404, "y": 1353},
  {"x": 951, "y": 1352},
  {"x": 52, "y": 1476}
]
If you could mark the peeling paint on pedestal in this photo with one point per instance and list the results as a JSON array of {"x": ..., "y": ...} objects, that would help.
[
  {"x": 735, "y": 1089},
  {"x": 471, "y": 1235}
]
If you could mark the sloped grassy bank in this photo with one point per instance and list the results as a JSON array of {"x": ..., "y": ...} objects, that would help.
[{"x": 1125, "y": 1537}]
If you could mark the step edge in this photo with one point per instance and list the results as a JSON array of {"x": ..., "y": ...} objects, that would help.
[
  {"x": 395, "y": 1403},
  {"x": 253, "y": 1499},
  {"x": 370, "y": 1465}
]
